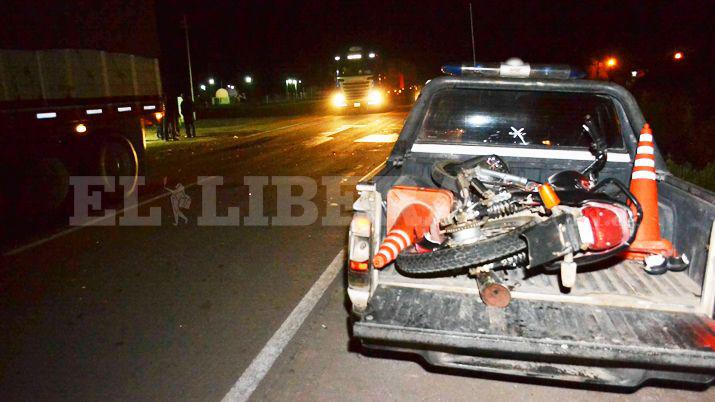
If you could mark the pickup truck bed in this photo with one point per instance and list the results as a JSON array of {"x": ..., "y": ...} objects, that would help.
[{"x": 624, "y": 284}]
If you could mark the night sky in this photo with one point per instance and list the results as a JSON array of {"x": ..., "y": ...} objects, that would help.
[
  {"x": 277, "y": 36},
  {"x": 274, "y": 39}
]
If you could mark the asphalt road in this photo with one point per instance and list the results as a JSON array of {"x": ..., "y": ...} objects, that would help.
[{"x": 167, "y": 312}]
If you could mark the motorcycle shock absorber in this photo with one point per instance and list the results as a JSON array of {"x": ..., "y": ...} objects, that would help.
[
  {"x": 513, "y": 261},
  {"x": 501, "y": 209}
]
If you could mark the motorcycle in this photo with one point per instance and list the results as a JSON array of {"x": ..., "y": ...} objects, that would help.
[{"x": 503, "y": 221}]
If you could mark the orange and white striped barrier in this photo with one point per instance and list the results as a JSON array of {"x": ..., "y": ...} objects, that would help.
[
  {"x": 645, "y": 189},
  {"x": 412, "y": 224}
]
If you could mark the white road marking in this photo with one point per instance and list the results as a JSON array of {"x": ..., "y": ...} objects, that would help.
[
  {"x": 342, "y": 128},
  {"x": 262, "y": 363},
  {"x": 379, "y": 138},
  {"x": 373, "y": 171},
  {"x": 257, "y": 370}
]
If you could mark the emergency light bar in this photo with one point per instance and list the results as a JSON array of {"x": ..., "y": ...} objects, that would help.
[{"x": 515, "y": 68}]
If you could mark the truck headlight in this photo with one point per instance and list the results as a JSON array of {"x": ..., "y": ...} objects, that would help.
[
  {"x": 375, "y": 97},
  {"x": 339, "y": 100}
]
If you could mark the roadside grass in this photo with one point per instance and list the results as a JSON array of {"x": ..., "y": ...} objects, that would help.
[{"x": 704, "y": 177}]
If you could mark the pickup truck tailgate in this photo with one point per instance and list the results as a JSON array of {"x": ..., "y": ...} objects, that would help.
[{"x": 456, "y": 329}]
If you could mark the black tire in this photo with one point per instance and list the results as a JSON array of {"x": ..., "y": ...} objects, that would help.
[
  {"x": 445, "y": 172},
  {"x": 456, "y": 260},
  {"x": 117, "y": 157}
]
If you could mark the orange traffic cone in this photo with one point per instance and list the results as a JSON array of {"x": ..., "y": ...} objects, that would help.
[
  {"x": 412, "y": 224},
  {"x": 645, "y": 189}
]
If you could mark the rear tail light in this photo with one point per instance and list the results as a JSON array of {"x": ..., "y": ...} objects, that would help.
[
  {"x": 360, "y": 226},
  {"x": 604, "y": 226},
  {"x": 367, "y": 219},
  {"x": 359, "y": 243},
  {"x": 359, "y": 266}
]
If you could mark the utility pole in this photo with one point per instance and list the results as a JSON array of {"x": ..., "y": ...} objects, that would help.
[
  {"x": 185, "y": 25},
  {"x": 471, "y": 28}
]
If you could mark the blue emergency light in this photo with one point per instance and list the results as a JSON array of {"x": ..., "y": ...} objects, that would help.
[{"x": 514, "y": 68}]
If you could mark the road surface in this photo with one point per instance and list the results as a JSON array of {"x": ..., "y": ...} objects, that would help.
[{"x": 196, "y": 312}]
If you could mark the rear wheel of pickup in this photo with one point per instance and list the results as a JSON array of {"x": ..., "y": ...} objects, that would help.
[{"x": 456, "y": 260}]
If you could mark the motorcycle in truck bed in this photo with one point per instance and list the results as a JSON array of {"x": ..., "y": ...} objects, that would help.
[{"x": 496, "y": 237}]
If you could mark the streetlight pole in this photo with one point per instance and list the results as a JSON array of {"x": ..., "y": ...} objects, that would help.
[{"x": 188, "y": 57}]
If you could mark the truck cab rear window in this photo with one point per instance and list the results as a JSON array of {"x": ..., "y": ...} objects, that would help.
[{"x": 526, "y": 118}]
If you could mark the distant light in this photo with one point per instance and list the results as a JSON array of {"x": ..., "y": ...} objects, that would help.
[
  {"x": 337, "y": 58},
  {"x": 94, "y": 111},
  {"x": 248, "y": 79},
  {"x": 611, "y": 62},
  {"x": 158, "y": 116},
  {"x": 149, "y": 107},
  {"x": 211, "y": 81},
  {"x": 678, "y": 56},
  {"x": 371, "y": 55},
  {"x": 300, "y": 82},
  {"x": 80, "y": 128},
  {"x": 546, "y": 142},
  {"x": 355, "y": 56},
  {"x": 48, "y": 115},
  {"x": 124, "y": 109},
  {"x": 634, "y": 73},
  {"x": 203, "y": 87}
]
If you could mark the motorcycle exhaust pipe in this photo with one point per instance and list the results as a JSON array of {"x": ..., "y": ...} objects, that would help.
[{"x": 491, "y": 290}]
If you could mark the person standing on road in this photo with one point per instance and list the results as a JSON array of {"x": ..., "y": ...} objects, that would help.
[
  {"x": 171, "y": 119},
  {"x": 187, "y": 110}
]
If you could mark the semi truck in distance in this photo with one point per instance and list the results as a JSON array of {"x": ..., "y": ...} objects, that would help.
[{"x": 357, "y": 81}]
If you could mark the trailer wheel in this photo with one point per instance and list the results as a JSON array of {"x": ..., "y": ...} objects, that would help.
[{"x": 118, "y": 157}]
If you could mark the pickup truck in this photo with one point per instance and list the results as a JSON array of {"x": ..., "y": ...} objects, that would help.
[{"x": 617, "y": 326}]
